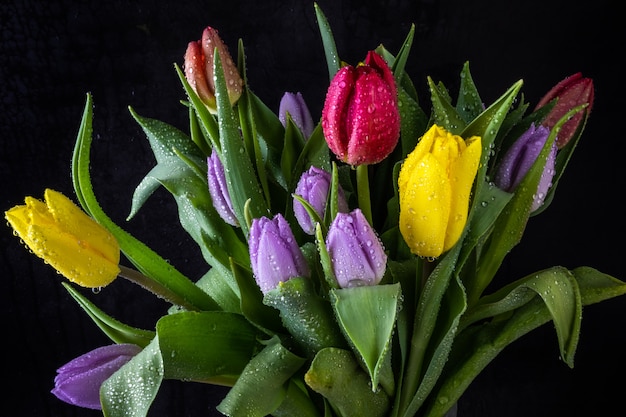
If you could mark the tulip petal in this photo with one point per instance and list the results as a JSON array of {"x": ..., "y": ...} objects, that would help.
[
  {"x": 425, "y": 208},
  {"x": 74, "y": 221},
  {"x": 462, "y": 173}
]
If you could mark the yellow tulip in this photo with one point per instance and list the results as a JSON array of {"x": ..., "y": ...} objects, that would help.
[
  {"x": 68, "y": 239},
  {"x": 434, "y": 184}
]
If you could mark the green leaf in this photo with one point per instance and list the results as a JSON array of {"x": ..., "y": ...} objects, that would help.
[
  {"x": 330, "y": 49},
  {"x": 251, "y": 305},
  {"x": 308, "y": 317},
  {"x": 560, "y": 293},
  {"x": 444, "y": 114},
  {"x": 510, "y": 225},
  {"x": 207, "y": 120},
  {"x": 478, "y": 345},
  {"x": 367, "y": 316},
  {"x": 129, "y": 392},
  {"x": 145, "y": 259},
  {"x": 212, "y": 346},
  {"x": 263, "y": 384},
  {"x": 243, "y": 184},
  {"x": 468, "y": 104},
  {"x": 337, "y": 375},
  {"x": 426, "y": 335},
  {"x": 219, "y": 287},
  {"x": 117, "y": 331}
]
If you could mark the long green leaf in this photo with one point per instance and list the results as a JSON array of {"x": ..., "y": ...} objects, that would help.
[
  {"x": 117, "y": 331},
  {"x": 330, "y": 49},
  {"x": 145, "y": 259},
  {"x": 477, "y": 346},
  {"x": 243, "y": 184}
]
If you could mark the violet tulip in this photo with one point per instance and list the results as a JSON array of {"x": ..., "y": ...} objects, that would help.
[
  {"x": 313, "y": 187},
  {"x": 571, "y": 92},
  {"x": 356, "y": 252},
  {"x": 294, "y": 105},
  {"x": 218, "y": 188},
  {"x": 360, "y": 118},
  {"x": 274, "y": 253},
  {"x": 520, "y": 157},
  {"x": 78, "y": 381},
  {"x": 199, "y": 72}
]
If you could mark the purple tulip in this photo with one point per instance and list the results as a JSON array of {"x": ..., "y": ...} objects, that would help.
[
  {"x": 293, "y": 103},
  {"x": 355, "y": 250},
  {"x": 78, "y": 381},
  {"x": 274, "y": 253},
  {"x": 519, "y": 159},
  {"x": 219, "y": 190},
  {"x": 313, "y": 187}
]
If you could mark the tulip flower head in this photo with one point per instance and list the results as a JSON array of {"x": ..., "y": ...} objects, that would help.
[
  {"x": 520, "y": 157},
  {"x": 274, "y": 253},
  {"x": 435, "y": 183},
  {"x": 360, "y": 118},
  {"x": 198, "y": 68},
  {"x": 313, "y": 187},
  {"x": 570, "y": 92},
  {"x": 356, "y": 252},
  {"x": 78, "y": 381},
  {"x": 68, "y": 239},
  {"x": 218, "y": 189},
  {"x": 294, "y": 105}
]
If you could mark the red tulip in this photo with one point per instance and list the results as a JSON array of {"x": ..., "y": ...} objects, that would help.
[
  {"x": 571, "y": 92},
  {"x": 360, "y": 119}
]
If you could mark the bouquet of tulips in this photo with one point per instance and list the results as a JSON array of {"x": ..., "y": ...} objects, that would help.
[{"x": 348, "y": 261}]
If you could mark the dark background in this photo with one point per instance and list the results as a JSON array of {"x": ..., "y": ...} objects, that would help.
[{"x": 53, "y": 52}]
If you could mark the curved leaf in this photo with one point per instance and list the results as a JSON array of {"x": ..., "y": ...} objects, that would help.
[
  {"x": 336, "y": 375},
  {"x": 263, "y": 384},
  {"x": 145, "y": 259},
  {"x": 129, "y": 392},
  {"x": 367, "y": 316},
  {"x": 210, "y": 346},
  {"x": 117, "y": 331}
]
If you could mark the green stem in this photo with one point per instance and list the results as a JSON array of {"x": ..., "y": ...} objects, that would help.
[
  {"x": 417, "y": 347},
  {"x": 363, "y": 192},
  {"x": 154, "y": 287}
]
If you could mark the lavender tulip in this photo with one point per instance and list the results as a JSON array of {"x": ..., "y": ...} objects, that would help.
[
  {"x": 313, "y": 187},
  {"x": 356, "y": 252},
  {"x": 293, "y": 103},
  {"x": 519, "y": 159},
  {"x": 219, "y": 190},
  {"x": 274, "y": 253},
  {"x": 78, "y": 381}
]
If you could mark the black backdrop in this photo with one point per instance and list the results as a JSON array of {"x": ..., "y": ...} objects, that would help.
[{"x": 53, "y": 52}]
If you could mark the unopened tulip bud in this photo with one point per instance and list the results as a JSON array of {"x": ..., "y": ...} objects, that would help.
[
  {"x": 520, "y": 157},
  {"x": 294, "y": 105},
  {"x": 274, "y": 253},
  {"x": 571, "y": 92},
  {"x": 356, "y": 252},
  {"x": 78, "y": 381},
  {"x": 360, "y": 118},
  {"x": 68, "y": 239},
  {"x": 435, "y": 183},
  {"x": 313, "y": 187}
]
